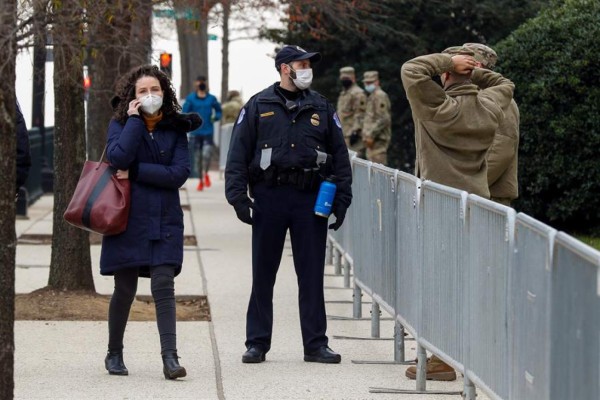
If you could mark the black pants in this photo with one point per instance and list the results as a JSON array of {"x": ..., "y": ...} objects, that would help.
[
  {"x": 278, "y": 209},
  {"x": 163, "y": 292}
]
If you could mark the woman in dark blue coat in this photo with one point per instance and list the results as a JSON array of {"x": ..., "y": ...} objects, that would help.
[{"x": 147, "y": 143}]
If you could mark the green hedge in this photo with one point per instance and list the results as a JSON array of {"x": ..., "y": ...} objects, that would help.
[{"x": 554, "y": 61}]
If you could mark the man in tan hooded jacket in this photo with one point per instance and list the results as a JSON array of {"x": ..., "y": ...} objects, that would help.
[
  {"x": 455, "y": 125},
  {"x": 454, "y": 129}
]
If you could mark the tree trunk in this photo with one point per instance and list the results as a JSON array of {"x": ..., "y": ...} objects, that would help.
[
  {"x": 140, "y": 43},
  {"x": 70, "y": 265},
  {"x": 8, "y": 241},
  {"x": 193, "y": 42},
  {"x": 109, "y": 58},
  {"x": 225, "y": 51}
]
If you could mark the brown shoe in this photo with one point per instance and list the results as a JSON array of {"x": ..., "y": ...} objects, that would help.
[{"x": 436, "y": 370}]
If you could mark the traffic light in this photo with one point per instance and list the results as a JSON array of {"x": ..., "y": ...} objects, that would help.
[{"x": 166, "y": 60}]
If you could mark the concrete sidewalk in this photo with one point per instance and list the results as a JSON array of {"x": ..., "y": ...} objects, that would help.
[{"x": 64, "y": 360}]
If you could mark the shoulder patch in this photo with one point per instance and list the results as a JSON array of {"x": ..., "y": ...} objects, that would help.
[
  {"x": 241, "y": 116},
  {"x": 337, "y": 120}
]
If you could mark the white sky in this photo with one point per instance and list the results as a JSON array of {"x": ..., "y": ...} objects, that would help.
[{"x": 251, "y": 66}]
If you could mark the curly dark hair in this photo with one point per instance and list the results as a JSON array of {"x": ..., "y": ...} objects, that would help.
[{"x": 126, "y": 92}]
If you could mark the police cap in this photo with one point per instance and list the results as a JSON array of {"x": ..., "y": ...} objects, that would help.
[{"x": 295, "y": 53}]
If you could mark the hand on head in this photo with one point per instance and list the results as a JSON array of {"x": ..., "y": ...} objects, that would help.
[{"x": 463, "y": 64}]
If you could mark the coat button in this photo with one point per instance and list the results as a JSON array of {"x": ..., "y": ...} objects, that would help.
[
  {"x": 293, "y": 145},
  {"x": 266, "y": 145},
  {"x": 168, "y": 235}
]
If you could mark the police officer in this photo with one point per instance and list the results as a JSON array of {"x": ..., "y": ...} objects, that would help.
[
  {"x": 285, "y": 140},
  {"x": 351, "y": 110},
  {"x": 502, "y": 157},
  {"x": 377, "y": 125}
]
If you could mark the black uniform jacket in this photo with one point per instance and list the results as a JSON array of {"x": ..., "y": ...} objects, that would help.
[{"x": 291, "y": 136}]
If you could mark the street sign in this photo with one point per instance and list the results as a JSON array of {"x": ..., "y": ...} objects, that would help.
[{"x": 188, "y": 13}]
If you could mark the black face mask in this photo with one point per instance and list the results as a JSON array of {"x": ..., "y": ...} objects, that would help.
[
  {"x": 346, "y": 83},
  {"x": 202, "y": 86}
]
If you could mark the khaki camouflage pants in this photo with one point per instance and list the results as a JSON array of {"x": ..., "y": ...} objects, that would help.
[
  {"x": 377, "y": 156},
  {"x": 358, "y": 147}
]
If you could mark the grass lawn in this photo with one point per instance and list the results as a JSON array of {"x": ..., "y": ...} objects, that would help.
[{"x": 590, "y": 240}]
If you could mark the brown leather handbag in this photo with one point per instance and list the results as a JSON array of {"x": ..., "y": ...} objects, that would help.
[{"x": 100, "y": 202}]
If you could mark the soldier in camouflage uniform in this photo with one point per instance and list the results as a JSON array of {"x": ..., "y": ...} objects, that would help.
[
  {"x": 232, "y": 107},
  {"x": 502, "y": 157},
  {"x": 351, "y": 110},
  {"x": 377, "y": 126}
]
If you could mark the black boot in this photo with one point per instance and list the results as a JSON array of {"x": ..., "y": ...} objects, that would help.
[
  {"x": 114, "y": 363},
  {"x": 171, "y": 367}
]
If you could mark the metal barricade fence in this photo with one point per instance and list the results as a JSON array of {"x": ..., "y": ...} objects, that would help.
[
  {"x": 502, "y": 298},
  {"x": 224, "y": 141},
  {"x": 444, "y": 264},
  {"x": 491, "y": 240},
  {"x": 529, "y": 321},
  {"x": 575, "y": 321},
  {"x": 383, "y": 271},
  {"x": 362, "y": 220},
  {"x": 408, "y": 245}
]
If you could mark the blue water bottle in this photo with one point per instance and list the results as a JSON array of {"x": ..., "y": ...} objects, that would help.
[{"x": 325, "y": 197}]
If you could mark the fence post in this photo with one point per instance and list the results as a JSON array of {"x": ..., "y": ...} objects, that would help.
[
  {"x": 375, "y": 319},
  {"x": 421, "y": 368},
  {"x": 357, "y": 303},
  {"x": 346, "y": 272},
  {"x": 337, "y": 261},
  {"x": 469, "y": 392},
  {"x": 329, "y": 252},
  {"x": 399, "y": 355}
]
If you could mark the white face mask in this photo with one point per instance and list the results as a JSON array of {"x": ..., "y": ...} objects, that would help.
[
  {"x": 303, "y": 78},
  {"x": 151, "y": 103},
  {"x": 370, "y": 88}
]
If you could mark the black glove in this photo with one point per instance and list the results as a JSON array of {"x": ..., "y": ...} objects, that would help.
[
  {"x": 242, "y": 209},
  {"x": 340, "y": 214},
  {"x": 355, "y": 137}
]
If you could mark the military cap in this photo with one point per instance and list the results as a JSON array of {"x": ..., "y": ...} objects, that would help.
[
  {"x": 483, "y": 54},
  {"x": 294, "y": 53},
  {"x": 455, "y": 50},
  {"x": 370, "y": 76},
  {"x": 347, "y": 72}
]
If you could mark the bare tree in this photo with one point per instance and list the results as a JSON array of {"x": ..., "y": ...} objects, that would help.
[
  {"x": 192, "y": 31},
  {"x": 226, "y": 4},
  {"x": 70, "y": 267},
  {"x": 118, "y": 40},
  {"x": 8, "y": 241}
]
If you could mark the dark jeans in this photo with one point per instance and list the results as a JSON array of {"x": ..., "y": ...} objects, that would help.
[
  {"x": 163, "y": 292},
  {"x": 202, "y": 153}
]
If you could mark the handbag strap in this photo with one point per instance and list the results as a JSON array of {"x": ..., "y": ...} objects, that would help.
[{"x": 103, "y": 153}]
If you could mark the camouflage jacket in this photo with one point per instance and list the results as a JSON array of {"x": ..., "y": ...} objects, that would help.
[
  {"x": 351, "y": 109},
  {"x": 378, "y": 120},
  {"x": 231, "y": 109}
]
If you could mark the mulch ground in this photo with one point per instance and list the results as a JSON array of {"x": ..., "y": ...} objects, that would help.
[{"x": 51, "y": 305}]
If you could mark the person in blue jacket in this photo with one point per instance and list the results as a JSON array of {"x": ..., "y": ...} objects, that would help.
[
  {"x": 205, "y": 104},
  {"x": 286, "y": 140},
  {"x": 147, "y": 144}
]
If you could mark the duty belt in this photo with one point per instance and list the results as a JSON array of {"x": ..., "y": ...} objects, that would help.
[{"x": 307, "y": 179}]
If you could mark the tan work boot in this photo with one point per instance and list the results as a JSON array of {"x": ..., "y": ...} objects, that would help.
[{"x": 436, "y": 370}]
